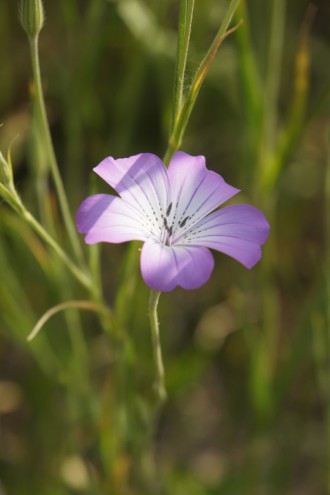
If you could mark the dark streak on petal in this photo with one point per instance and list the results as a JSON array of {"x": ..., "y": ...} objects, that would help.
[
  {"x": 168, "y": 211},
  {"x": 183, "y": 223}
]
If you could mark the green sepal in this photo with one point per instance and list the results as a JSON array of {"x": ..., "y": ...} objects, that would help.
[{"x": 32, "y": 16}]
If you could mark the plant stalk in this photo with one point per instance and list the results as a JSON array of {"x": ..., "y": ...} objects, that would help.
[
  {"x": 77, "y": 272},
  {"x": 41, "y": 109},
  {"x": 185, "y": 22},
  {"x": 154, "y": 325}
]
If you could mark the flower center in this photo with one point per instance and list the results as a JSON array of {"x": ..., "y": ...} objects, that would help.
[{"x": 167, "y": 228}]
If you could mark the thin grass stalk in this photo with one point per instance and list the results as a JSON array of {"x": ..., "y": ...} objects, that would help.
[
  {"x": 264, "y": 354},
  {"x": 17, "y": 314},
  {"x": 40, "y": 105},
  {"x": 252, "y": 101},
  {"x": 294, "y": 121},
  {"x": 80, "y": 353},
  {"x": 81, "y": 276},
  {"x": 272, "y": 82},
  {"x": 40, "y": 161}
]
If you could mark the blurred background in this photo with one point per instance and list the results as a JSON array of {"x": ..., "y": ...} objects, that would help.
[{"x": 247, "y": 356}]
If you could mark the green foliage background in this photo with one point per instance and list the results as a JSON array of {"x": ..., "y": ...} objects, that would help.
[{"x": 247, "y": 356}]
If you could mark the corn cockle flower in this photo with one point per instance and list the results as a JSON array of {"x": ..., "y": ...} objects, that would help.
[{"x": 174, "y": 211}]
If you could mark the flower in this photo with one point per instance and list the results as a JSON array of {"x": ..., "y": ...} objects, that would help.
[{"x": 174, "y": 211}]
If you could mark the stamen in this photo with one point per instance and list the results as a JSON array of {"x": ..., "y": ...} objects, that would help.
[
  {"x": 167, "y": 228},
  {"x": 167, "y": 233}
]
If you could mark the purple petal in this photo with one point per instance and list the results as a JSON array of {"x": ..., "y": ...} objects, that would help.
[
  {"x": 165, "y": 267},
  {"x": 196, "y": 191},
  {"x": 105, "y": 218},
  {"x": 141, "y": 180},
  {"x": 237, "y": 230}
]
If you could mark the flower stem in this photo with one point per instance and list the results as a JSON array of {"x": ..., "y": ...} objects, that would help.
[
  {"x": 77, "y": 272},
  {"x": 41, "y": 109},
  {"x": 189, "y": 103},
  {"x": 154, "y": 324},
  {"x": 183, "y": 109},
  {"x": 83, "y": 305},
  {"x": 185, "y": 21}
]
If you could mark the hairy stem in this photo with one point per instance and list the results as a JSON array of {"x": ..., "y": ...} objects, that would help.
[
  {"x": 154, "y": 325},
  {"x": 185, "y": 21},
  {"x": 182, "y": 118}
]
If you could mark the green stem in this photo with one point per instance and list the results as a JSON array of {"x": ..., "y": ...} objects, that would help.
[
  {"x": 189, "y": 103},
  {"x": 154, "y": 324},
  {"x": 274, "y": 67},
  {"x": 12, "y": 198},
  {"x": 264, "y": 355},
  {"x": 77, "y": 272},
  {"x": 185, "y": 21},
  {"x": 40, "y": 105},
  {"x": 272, "y": 82},
  {"x": 251, "y": 91},
  {"x": 171, "y": 149},
  {"x": 83, "y": 305}
]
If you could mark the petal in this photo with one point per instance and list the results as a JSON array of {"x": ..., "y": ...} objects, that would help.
[
  {"x": 237, "y": 230},
  {"x": 165, "y": 267},
  {"x": 196, "y": 191},
  {"x": 106, "y": 218},
  {"x": 141, "y": 180}
]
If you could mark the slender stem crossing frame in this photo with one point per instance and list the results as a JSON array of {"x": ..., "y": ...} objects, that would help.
[
  {"x": 41, "y": 108},
  {"x": 154, "y": 325}
]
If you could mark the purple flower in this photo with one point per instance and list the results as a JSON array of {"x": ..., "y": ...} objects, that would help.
[{"x": 174, "y": 211}]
